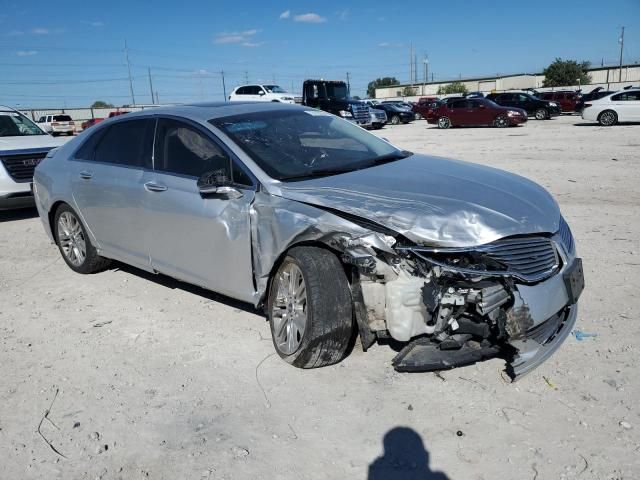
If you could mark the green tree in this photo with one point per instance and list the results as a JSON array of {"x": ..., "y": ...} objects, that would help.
[
  {"x": 566, "y": 72},
  {"x": 379, "y": 83},
  {"x": 408, "y": 91},
  {"x": 101, "y": 104},
  {"x": 455, "y": 87}
]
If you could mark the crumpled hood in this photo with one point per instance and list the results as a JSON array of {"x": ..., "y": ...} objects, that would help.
[
  {"x": 8, "y": 144},
  {"x": 435, "y": 201}
]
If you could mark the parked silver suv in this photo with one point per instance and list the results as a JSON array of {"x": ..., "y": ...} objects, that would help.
[{"x": 329, "y": 228}]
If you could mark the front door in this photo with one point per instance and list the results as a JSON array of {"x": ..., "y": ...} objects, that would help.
[
  {"x": 205, "y": 241},
  {"x": 107, "y": 176}
]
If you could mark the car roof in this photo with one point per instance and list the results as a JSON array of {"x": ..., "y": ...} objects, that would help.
[
  {"x": 207, "y": 111},
  {"x": 4, "y": 108}
]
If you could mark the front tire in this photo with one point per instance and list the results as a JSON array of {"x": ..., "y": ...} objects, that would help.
[
  {"x": 395, "y": 120},
  {"x": 541, "y": 114},
  {"x": 418, "y": 116},
  {"x": 608, "y": 118},
  {"x": 444, "y": 122},
  {"x": 74, "y": 244},
  {"x": 310, "y": 310},
  {"x": 501, "y": 121}
]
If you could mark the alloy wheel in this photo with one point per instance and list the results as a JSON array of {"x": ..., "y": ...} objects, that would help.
[
  {"x": 541, "y": 114},
  {"x": 289, "y": 311},
  {"x": 608, "y": 118},
  {"x": 444, "y": 122},
  {"x": 71, "y": 239},
  {"x": 501, "y": 121}
]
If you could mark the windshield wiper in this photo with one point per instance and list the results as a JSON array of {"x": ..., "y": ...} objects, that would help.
[
  {"x": 391, "y": 157},
  {"x": 321, "y": 172}
]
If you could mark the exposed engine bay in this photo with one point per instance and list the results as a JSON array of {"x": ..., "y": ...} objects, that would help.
[{"x": 456, "y": 307}]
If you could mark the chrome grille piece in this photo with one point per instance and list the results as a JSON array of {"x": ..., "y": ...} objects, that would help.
[
  {"x": 21, "y": 167},
  {"x": 361, "y": 112},
  {"x": 532, "y": 258},
  {"x": 529, "y": 259}
]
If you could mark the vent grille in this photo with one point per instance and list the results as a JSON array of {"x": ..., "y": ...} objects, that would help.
[
  {"x": 361, "y": 112},
  {"x": 531, "y": 258},
  {"x": 21, "y": 167}
]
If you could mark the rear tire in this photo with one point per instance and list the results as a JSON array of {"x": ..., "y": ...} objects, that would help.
[
  {"x": 310, "y": 309},
  {"x": 541, "y": 114},
  {"x": 74, "y": 244},
  {"x": 608, "y": 118}
]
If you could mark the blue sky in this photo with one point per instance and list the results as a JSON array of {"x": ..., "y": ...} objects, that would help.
[{"x": 71, "y": 53}]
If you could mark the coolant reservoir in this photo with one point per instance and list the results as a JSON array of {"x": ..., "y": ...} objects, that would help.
[{"x": 405, "y": 311}]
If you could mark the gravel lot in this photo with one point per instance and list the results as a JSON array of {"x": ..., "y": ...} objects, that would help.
[{"x": 157, "y": 379}]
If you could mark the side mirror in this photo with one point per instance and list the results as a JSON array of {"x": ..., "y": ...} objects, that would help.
[
  {"x": 261, "y": 92},
  {"x": 217, "y": 184}
]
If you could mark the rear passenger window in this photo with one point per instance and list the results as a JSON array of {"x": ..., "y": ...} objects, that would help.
[
  {"x": 457, "y": 105},
  {"x": 124, "y": 144},
  {"x": 88, "y": 149},
  {"x": 241, "y": 91},
  {"x": 183, "y": 150}
]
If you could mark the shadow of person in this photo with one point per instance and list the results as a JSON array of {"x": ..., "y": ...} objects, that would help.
[{"x": 404, "y": 458}]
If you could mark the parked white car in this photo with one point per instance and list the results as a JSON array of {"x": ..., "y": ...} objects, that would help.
[
  {"x": 22, "y": 145},
  {"x": 622, "y": 106},
  {"x": 261, "y": 93},
  {"x": 57, "y": 124}
]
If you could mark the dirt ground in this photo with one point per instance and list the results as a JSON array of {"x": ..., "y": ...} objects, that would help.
[{"x": 132, "y": 376}]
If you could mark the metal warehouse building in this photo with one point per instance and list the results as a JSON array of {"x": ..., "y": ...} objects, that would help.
[{"x": 600, "y": 77}]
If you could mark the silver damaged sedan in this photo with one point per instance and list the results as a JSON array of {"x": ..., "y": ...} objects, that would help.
[{"x": 332, "y": 230}]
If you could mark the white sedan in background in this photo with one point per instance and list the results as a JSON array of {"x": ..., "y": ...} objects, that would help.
[{"x": 622, "y": 106}]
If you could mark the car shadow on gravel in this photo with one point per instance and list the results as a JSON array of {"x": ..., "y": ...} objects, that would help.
[
  {"x": 20, "y": 214},
  {"x": 404, "y": 458},
  {"x": 172, "y": 283}
]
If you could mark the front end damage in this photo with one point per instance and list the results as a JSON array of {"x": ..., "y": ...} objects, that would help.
[{"x": 515, "y": 298}]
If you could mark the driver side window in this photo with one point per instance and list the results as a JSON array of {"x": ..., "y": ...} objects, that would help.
[{"x": 183, "y": 150}]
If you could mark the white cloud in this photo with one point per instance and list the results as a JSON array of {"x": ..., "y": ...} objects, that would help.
[
  {"x": 95, "y": 24},
  {"x": 40, "y": 31},
  {"x": 26, "y": 53},
  {"x": 252, "y": 44},
  {"x": 309, "y": 18},
  {"x": 390, "y": 45},
  {"x": 243, "y": 37},
  {"x": 285, "y": 14}
]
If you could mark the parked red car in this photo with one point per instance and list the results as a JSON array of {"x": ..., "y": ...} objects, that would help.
[
  {"x": 476, "y": 112},
  {"x": 91, "y": 122},
  {"x": 566, "y": 99},
  {"x": 424, "y": 106}
]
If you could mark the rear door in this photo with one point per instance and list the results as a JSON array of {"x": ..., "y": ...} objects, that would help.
[
  {"x": 458, "y": 112},
  {"x": 108, "y": 174},
  {"x": 205, "y": 241},
  {"x": 627, "y": 106}
]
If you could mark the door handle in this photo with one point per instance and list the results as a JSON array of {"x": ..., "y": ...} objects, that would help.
[
  {"x": 154, "y": 187},
  {"x": 86, "y": 175}
]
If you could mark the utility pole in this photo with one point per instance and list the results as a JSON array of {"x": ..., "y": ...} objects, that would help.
[
  {"x": 415, "y": 68},
  {"x": 411, "y": 63},
  {"x": 246, "y": 77},
  {"x": 126, "y": 55},
  {"x": 426, "y": 72},
  {"x": 157, "y": 98},
  {"x": 621, "y": 40},
  {"x": 151, "y": 86},
  {"x": 224, "y": 87},
  {"x": 348, "y": 83}
]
